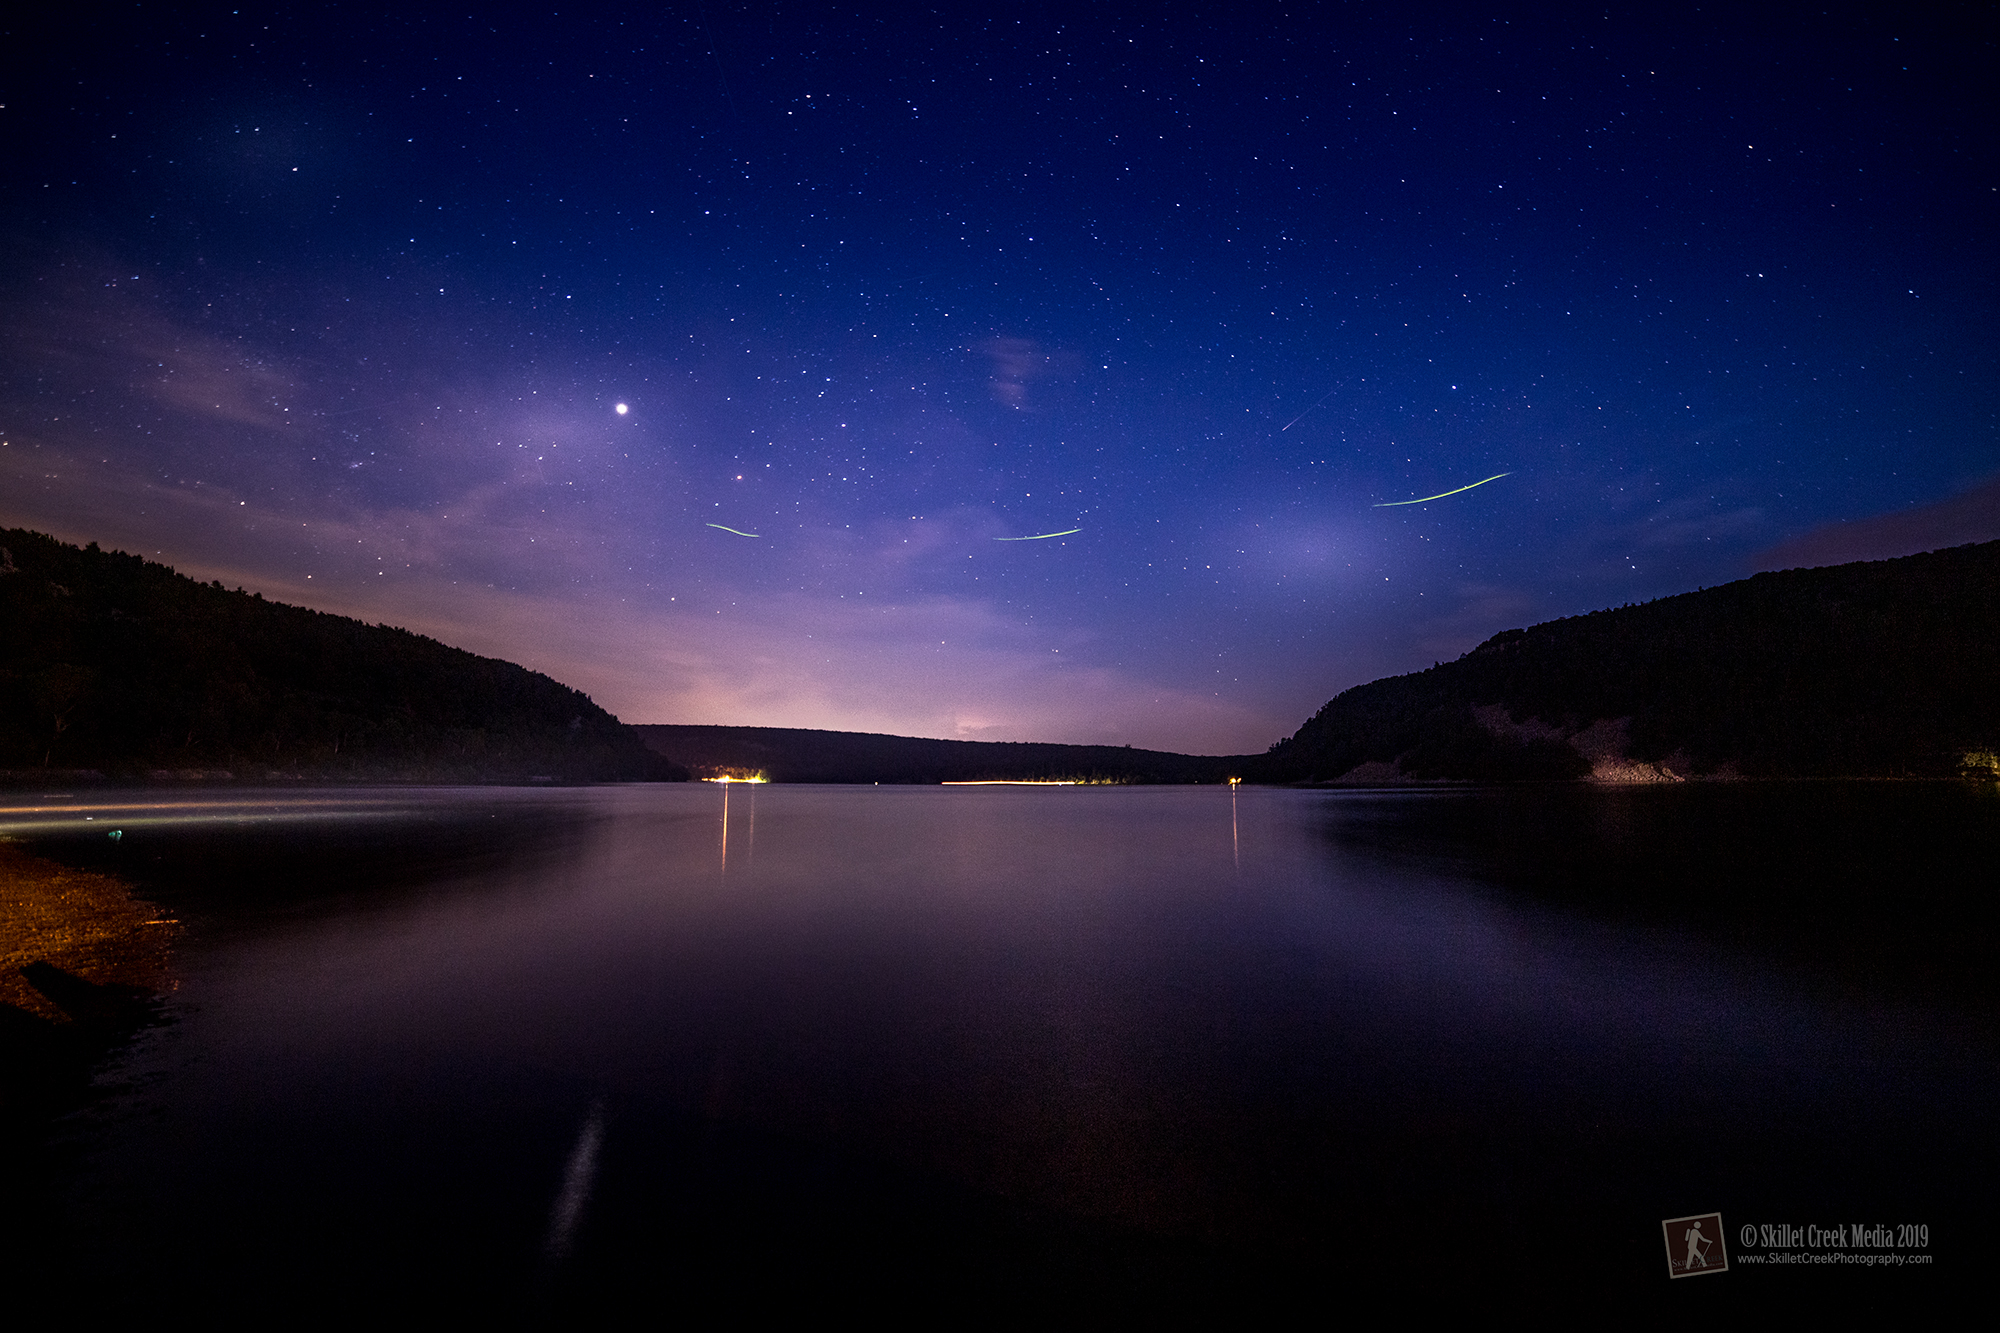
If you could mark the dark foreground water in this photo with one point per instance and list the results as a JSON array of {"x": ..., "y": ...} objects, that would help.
[{"x": 1037, "y": 1055}]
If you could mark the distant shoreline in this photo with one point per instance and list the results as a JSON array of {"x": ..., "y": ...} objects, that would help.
[{"x": 799, "y": 754}]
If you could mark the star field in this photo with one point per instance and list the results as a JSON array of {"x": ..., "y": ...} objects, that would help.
[{"x": 503, "y": 327}]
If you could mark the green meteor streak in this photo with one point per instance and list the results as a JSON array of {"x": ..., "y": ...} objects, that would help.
[
  {"x": 1391, "y": 504},
  {"x": 1039, "y": 538},
  {"x": 740, "y": 534}
]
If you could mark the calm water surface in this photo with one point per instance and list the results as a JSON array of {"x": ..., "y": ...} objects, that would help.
[{"x": 1038, "y": 1051}]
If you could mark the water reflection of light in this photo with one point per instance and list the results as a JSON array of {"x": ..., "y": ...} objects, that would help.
[
  {"x": 750, "y": 843},
  {"x": 577, "y": 1178}
]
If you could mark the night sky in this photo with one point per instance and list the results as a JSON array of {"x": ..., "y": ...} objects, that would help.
[{"x": 341, "y": 304}]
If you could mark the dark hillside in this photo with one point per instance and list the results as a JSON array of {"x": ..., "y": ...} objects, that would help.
[
  {"x": 1876, "y": 669},
  {"x": 114, "y": 663},
  {"x": 794, "y": 754}
]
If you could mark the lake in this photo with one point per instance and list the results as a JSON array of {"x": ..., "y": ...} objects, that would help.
[{"x": 1032, "y": 1053}]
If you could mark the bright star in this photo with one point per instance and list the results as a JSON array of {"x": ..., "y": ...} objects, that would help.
[{"x": 622, "y": 409}]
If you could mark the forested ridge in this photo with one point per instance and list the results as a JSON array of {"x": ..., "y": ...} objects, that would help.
[
  {"x": 1882, "y": 668},
  {"x": 1876, "y": 669},
  {"x": 115, "y": 663}
]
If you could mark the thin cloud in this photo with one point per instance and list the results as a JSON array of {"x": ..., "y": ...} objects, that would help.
[
  {"x": 1018, "y": 362},
  {"x": 1971, "y": 516}
]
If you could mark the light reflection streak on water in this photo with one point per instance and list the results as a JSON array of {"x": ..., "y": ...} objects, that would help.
[
  {"x": 54, "y": 818},
  {"x": 578, "y": 1176},
  {"x": 326, "y": 817},
  {"x": 750, "y": 834},
  {"x": 178, "y": 805},
  {"x": 243, "y": 816}
]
